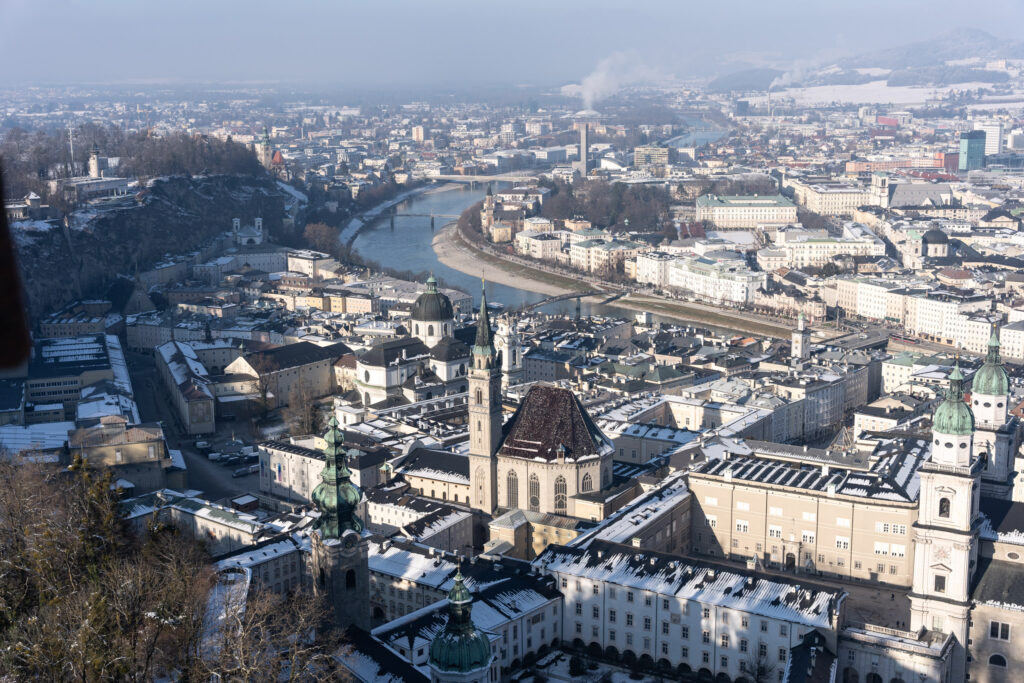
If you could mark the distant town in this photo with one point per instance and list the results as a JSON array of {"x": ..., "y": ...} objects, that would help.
[{"x": 700, "y": 383}]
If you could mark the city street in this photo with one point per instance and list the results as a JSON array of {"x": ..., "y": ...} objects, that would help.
[{"x": 212, "y": 478}]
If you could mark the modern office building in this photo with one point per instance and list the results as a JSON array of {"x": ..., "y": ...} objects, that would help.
[{"x": 972, "y": 150}]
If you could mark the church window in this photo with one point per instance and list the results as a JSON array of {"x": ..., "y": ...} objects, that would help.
[
  {"x": 366, "y": 376},
  {"x": 417, "y": 330},
  {"x": 560, "y": 495},
  {"x": 944, "y": 507},
  {"x": 997, "y": 660},
  {"x": 588, "y": 483},
  {"x": 479, "y": 396},
  {"x": 963, "y": 444},
  {"x": 940, "y": 583},
  {"x": 534, "y": 493},
  {"x": 479, "y": 425},
  {"x": 988, "y": 404},
  {"x": 350, "y": 578},
  {"x": 999, "y": 405},
  {"x": 513, "y": 489},
  {"x": 949, "y": 444}
]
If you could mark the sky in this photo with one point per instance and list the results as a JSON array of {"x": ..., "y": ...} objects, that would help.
[{"x": 393, "y": 43}]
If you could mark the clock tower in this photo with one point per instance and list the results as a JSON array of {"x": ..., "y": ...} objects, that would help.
[
  {"x": 946, "y": 538},
  {"x": 340, "y": 564}
]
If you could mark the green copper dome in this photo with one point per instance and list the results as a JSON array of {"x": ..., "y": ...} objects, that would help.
[
  {"x": 460, "y": 647},
  {"x": 336, "y": 497},
  {"x": 954, "y": 416},
  {"x": 991, "y": 379}
]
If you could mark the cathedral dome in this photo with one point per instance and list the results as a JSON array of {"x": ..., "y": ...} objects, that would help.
[
  {"x": 935, "y": 236},
  {"x": 461, "y": 647},
  {"x": 954, "y": 416},
  {"x": 432, "y": 305},
  {"x": 991, "y": 379}
]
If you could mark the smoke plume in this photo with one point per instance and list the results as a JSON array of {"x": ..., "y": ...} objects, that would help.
[{"x": 614, "y": 72}]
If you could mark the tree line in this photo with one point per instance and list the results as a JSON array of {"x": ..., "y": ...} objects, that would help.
[
  {"x": 30, "y": 159},
  {"x": 83, "y": 598}
]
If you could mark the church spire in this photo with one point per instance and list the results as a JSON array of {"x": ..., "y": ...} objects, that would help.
[
  {"x": 336, "y": 497},
  {"x": 483, "y": 324}
]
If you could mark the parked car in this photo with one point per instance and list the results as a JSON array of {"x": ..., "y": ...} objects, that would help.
[
  {"x": 232, "y": 461},
  {"x": 241, "y": 472},
  {"x": 255, "y": 469},
  {"x": 202, "y": 446},
  {"x": 213, "y": 455}
]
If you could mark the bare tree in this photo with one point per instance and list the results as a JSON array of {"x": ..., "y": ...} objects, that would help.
[
  {"x": 266, "y": 380},
  {"x": 272, "y": 637},
  {"x": 301, "y": 410},
  {"x": 759, "y": 667}
]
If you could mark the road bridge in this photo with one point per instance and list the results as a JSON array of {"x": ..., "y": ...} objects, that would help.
[{"x": 503, "y": 178}]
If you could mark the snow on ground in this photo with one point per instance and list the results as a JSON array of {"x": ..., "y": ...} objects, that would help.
[
  {"x": 33, "y": 226},
  {"x": 299, "y": 196},
  {"x": 872, "y": 92}
]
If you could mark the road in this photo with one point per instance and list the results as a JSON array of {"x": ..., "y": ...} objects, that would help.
[{"x": 213, "y": 479}]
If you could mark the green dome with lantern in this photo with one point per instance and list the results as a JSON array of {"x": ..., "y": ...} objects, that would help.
[
  {"x": 991, "y": 379},
  {"x": 954, "y": 416},
  {"x": 461, "y": 647},
  {"x": 336, "y": 497}
]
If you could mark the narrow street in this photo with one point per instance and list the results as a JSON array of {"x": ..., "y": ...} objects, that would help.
[{"x": 213, "y": 479}]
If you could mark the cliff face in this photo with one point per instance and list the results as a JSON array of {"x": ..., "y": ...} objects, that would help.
[{"x": 172, "y": 216}]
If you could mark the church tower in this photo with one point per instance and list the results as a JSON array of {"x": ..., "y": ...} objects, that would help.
[
  {"x": 340, "y": 567},
  {"x": 461, "y": 653},
  {"x": 996, "y": 437},
  {"x": 487, "y": 212},
  {"x": 510, "y": 347},
  {"x": 264, "y": 150},
  {"x": 484, "y": 415},
  {"x": 946, "y": 542},
  {"x": 800, "y": 344}
]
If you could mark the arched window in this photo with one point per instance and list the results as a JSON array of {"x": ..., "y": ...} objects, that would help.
[
  {"x": 417, "y": 332},
  {"x": 479, "y": 396},
  {"x": 873, "y": 678},
  {"x": 479, "y": 425},
  {"x": 366, "y": 375},
  {"x": 560, "y": 494},
  {"x": 944, "y": 507},
  {"x": 534, "y": 493},
  {"x": 587, "y": 484},
  {"x": 350, "y": 578},
  {"x": 513, "y": 356},
  {"x": 513, "y": 490},
  {"x": 997, "y": 660},
  {"x": 430, "y": 330}
]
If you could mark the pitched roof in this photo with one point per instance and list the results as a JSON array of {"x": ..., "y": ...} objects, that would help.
[
  {"x": 550, "y": 417},
  {"x": 294, "y": 355}
]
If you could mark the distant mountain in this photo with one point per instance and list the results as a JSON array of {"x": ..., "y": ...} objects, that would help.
[
  {"x": 749, "y": 79},
  {"x": 959, "y": 44}
]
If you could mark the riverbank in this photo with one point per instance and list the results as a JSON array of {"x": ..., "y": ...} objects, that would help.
[
  {"x": 361, "y": 220},
  {"x": 455, "y": 252}
]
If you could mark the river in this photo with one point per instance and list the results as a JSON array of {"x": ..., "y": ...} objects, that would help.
[{"x": 408, "y": 247}]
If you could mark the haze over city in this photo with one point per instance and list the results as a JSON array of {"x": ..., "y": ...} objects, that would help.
[
  {"x": 469, "y": 342},
  {"x": 402, "y": 43}
]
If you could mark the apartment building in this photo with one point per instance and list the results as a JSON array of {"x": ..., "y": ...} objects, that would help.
[{"x": 724, "y": 281}]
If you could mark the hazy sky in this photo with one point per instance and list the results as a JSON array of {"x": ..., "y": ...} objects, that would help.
[{"x": 395, "y": 42}]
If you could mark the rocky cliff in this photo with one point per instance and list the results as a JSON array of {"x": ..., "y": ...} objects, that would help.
[{"x": 171, "y": 216}]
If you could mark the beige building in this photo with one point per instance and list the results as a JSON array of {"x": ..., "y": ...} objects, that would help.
[
  {"x": 811, "y": 511},
  {"x": 745, "y": 211}
]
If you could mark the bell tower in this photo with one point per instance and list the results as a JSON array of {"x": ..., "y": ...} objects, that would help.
[
  {"x": 511, "y": 351},
  {"x": 946, "y": 538},
  {"x": 996, "y": 439},
  {"x": 484, "y": 415},
  {"x": 340, "y": 565}
]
